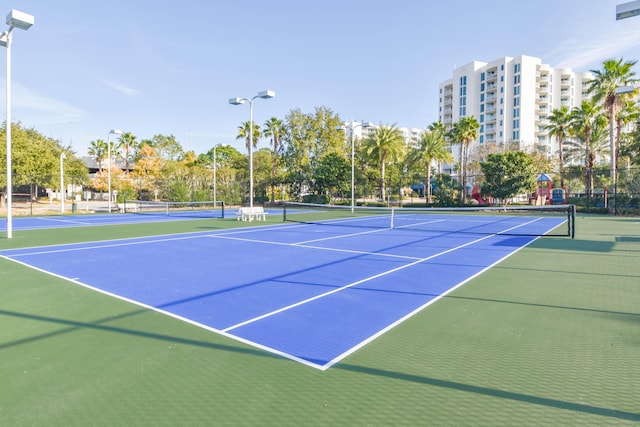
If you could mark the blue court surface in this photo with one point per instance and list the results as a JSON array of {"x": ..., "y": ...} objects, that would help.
[
  {"x": 65, "y": 221},
  {"x": 312, "y": 293}
]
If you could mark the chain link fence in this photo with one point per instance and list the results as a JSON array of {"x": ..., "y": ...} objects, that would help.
[{"x": 591, "y": 191}]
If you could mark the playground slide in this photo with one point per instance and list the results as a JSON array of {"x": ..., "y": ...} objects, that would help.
[{"x": 476, "y": 195}]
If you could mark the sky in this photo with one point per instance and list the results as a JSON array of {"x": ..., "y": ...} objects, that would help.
[{"x": 170, "y": 68}]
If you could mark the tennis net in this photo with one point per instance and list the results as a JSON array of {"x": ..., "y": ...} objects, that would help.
[
  {"x": 550, "y": 220},
  {"x": 177, "y": 209}
]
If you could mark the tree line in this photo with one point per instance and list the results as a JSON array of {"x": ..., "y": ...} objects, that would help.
[{"x": 309, "y": 156}]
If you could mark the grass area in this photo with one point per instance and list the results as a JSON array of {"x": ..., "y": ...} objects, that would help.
[{"x": 550, "y": 336}]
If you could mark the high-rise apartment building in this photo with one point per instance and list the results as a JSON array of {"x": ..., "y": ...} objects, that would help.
[{"x": 511, "y": 98}]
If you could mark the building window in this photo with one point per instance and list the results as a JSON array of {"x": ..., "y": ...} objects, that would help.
[
  {"x": 481, "y": 118},
  {"x": 516, "y": 135},
  {"x": 516, "y": 123},
  {"x": 516, "y": 90},
  {"x": 516, "y": 112},
  {"x": 516, "y": 101},
  {"x": 482, "y": 108},
  {"x": 516, "y": 68},
  {"x": 516, "y": 79},
  {"x": 481, "y": 87},
  {"x": 481, "y": 77}
]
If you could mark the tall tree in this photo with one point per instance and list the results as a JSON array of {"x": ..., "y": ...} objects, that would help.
[
  {"x": 244, "y": 130},
  {"x": 559, "y": 127},
  {"x": 583, "y": 120},
  {"x": 98, "y": 151},
  {"x": 127, "y": 142},
  {"x": 464, "y": 132},
  {"x": 604, "y": 87},
  {"x": 386, "y": 143},
  {"x": 274, "y": 129},
  {"x": 628, "y": 113},
  {"x": 431, "y": 148}
]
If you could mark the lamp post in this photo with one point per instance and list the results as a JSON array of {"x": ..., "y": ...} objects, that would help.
[
  {"x": 15, "y": 19},
  {"x": 265, "y": 94},
  {"x": 215, "y": 171},
  {"x": 62, "y": 192},
  {"x": 353, "y": 128},
  {"x": 620, "y": 90},
  {"x": 111, "y": 132}
]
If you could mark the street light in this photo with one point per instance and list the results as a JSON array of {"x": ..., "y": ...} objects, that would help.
[
  {"x": 15, "y": 19},
  {"x": 353, "y": 128},
  {"x": 114, "y": 132},
  {"x": 215, "y": 170},
  {"x": 627, "y": 10},
  {"x": 265, "y": 94},
  {"x": 62, "y": 157},
  {"x": 620, "y": 90}
]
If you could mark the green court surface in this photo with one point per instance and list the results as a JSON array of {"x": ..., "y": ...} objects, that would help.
[{"x": 550, "y": 336}]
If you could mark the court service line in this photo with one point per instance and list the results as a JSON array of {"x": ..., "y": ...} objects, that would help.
[
  {"x": 361, "y": 233},
  {"x": 297, "y": 245},
  {"x": 367, "y": 279}
]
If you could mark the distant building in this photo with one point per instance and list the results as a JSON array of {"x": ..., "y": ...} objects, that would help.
[
  {"x": 410, "y": 135},
  {"x": 511, "y": 98}
]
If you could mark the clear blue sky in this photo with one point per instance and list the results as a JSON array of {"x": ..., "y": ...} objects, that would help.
[{"x": 165, "y": 67}]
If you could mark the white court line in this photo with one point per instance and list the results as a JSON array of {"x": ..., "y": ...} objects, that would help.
[
  {"x": 358, "y": 282},
  {"x": 66, "y": 221},
  {"x": 297, "y": 245},
  {"x": 101, "y": 246}
]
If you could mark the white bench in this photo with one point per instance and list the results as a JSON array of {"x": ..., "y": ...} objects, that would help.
[
  {"x": 128, "y": 207},
  {"x": 249, "y": 214}
]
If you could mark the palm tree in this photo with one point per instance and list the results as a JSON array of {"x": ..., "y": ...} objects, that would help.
[
  {"x": 244, "y": 131},
  {"x": 98, "y": 150},
  {"x": 386, "y": 143},
  {"x": 464, "y": 132},
  {"x": 559, "y": 127},
  {"x": 604, "y": 88},
  {"x": 431, "y": 147},
  {"x": 127, "y": 142},
  {"x": 274, "y": 129},
  {"x": 628, "y": 113},
  {"x": 582, "y": 122}
]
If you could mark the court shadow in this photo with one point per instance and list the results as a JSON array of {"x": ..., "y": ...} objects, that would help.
[
  {"x": 486, "y": 391},
  {"x": 573, "y": 245},
  {"x": 100, "y": 325}
]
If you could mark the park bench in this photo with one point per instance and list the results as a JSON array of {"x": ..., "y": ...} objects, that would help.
[{"x": 251, "y": 213}]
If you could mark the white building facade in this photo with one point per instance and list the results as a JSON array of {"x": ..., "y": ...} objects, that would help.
[{"x": 511, "y": 98}]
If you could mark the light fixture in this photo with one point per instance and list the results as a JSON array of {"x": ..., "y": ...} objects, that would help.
[
  {"x": 265, "y": 94},
  {"x": 15, "y": 19},
  {"x": 111, "y": 132}
]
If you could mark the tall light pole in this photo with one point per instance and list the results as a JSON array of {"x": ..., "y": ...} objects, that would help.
[
  {"x": 15, "y": 19},
  {"x": 353, "y": 127},
  {"x": 62, "y": 192},
  {"x": 215, "y": 171},
  {"x": 265, "y": 94},
  {"x": 111, "y": 132}
]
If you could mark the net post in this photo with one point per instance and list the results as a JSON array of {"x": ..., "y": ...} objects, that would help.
[
  {"x": 222, "y": 209},
  {"x": 392, "y": 217},
  {"x": 572, "y": 221},
  {"x": 284, "y": 211}
]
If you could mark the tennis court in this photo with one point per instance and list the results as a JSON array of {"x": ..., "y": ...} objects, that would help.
[
  {"x": 313, "y": 292},
  {"x": 547, "y": 336}
]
